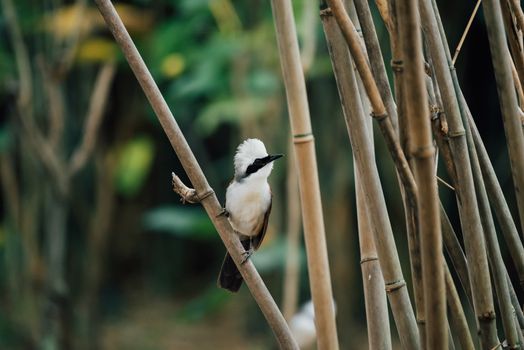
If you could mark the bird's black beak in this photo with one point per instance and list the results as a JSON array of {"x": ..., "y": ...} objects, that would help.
[{"x": 274, "y": 157}]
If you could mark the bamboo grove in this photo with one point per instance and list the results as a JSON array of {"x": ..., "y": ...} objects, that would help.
[
  {"x": 422, "y": 113},
  {"x": 416, "y": 104}
]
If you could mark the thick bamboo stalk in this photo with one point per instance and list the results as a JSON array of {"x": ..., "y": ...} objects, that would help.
[
  {"x": 423, "y": 152},
  {"x": 318, "y": 266},
  {"x": 204, "y": 192},
  {"x": 469, "y": 215},
  {"x": 371, "y": 188},
  {"x": 507, "y": 97},
  {"x": 291, "y": 281},
  {"x": 514, "y": 44}
]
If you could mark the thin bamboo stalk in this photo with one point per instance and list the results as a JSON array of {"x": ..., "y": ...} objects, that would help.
[
  {"x": 493, "y": 188},
  {"x": 494, "y": 255},
  {"x": 507, "y": 97},
  {"x": 466, "y": 30},
  {"x": 496, "y": 197},
  {"x": 467, "y": 201},
  {"x": 423, "y": 152},
  {"x": 205, "y": 193},
  {"x": 379, "y": 336},
  {"x": 318, "y": 266},
  {"x": 376, "y": 61},
  {"x": 371, "y": 188},
  {"x": 514, "y": 44},
  {"x": 457, "y": 318}
]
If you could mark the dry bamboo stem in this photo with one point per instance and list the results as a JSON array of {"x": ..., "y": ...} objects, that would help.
[
  {"x": 371, "y": 188},
  {"x": 514, "y": 45},
  {"x": 457, "y": 318},
  {"x": 507, "y": 97},
  {"x": 314, "y": 234},
  {"x": 465, "y": 33},
  {"x": 493, "y": 188},
  {"x": 515, "y": 7},
  {"x": 379, "y": 337},
  {"x": 469, "y": 215},
  {"x": 208, "y": 198},
  {"x": 494, "y": 255},
  {"x": 423, "y": 152},
  {"x": 496, "y": 196},
  {"x": 292, "y": 269},
  {"x": 375, "y": 58}
]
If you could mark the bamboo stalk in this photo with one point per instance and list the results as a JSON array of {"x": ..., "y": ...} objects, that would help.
[
  {"x": 314, "y": 234},
  {"x": 423, "y": 152},
  {"x": 376, "y": 61},
  {"x": 467, "y": 201},
  {"x": 208, "y": 198},
  {"x": 292, "y": 268},
  {"x": 494, "y": 255},
  {"x": 496, "y": 198},
  {"x": 371, "y": 188},
  {"x": 507, "y": 98},
  {"x": 514, "y": 45},
  {"x": 457, "y": 318},
  {"x": 465, "y": 33},
  {"x": 379, "y": 336}
]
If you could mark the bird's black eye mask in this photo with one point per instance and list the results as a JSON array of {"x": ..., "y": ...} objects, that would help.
[{"x": 260, "y": 163}]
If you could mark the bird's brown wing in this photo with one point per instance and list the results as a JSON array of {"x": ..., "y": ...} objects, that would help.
[{"x": 257, "y": 240}]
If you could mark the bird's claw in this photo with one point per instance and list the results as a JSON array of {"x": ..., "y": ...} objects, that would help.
[
  {"x": 246, "y": 254},
  {"x": 223, "y": 212}
]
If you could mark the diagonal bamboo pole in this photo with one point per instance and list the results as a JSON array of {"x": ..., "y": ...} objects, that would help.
[
  {"x": 204, "y": 192},
  {"x": 371, "y": 188},
  {"x": 423, "y": 152},
  {"x": 314, "y": 234},
  {"x": 507, "y": 97},
  {"x": 467, "y": 201}
]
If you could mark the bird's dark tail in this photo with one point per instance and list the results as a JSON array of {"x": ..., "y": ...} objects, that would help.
[{"x": 229, "y": 277}]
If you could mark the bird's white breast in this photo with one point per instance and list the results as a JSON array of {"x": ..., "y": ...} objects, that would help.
[{"x": 246, "y": 203}]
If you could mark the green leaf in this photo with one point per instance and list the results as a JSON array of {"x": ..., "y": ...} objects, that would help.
[
  {"x": 184, "y": 222},
  {"x": 134, "y": 164}
]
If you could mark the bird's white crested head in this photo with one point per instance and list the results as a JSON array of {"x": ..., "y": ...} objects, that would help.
[{"x": 252, "y": 160}]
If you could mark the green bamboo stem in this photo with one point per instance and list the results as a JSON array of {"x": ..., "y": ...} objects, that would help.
[
  {"x": 507, "y": 97},
  {"x": 422, "y": 152},
  {"x": 314, "y": 234},
  {"x": 468, "y": 211},
  {"x": 208, "y": 199},
  {"x": 371, "y": 188}
]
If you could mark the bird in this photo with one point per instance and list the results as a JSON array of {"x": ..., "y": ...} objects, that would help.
[{"x": 248, "y": 205}]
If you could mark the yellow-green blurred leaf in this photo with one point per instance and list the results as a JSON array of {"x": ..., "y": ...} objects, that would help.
[
  {"x": 97, "y": 50},
  {"x": 173, "y": 65},
  {"x": 133, "y": 165}
]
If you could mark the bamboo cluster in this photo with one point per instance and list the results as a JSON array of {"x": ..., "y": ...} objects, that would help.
[{"x": 427, "y": 114}]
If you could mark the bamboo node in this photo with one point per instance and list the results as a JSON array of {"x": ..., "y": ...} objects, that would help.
[
  {"x": 397, "y": 65},
  {"x": 393, "y": 286},
  {"x": 378, "y": 116},
  {"x": 423, "y": 152},
  {"x": 368, "y": 259},
  {"x": 457, "y": 133},
  {"x": 188, "y": 194},
  {"x": 487, "y": 316},
  {"x": 303, "y": 138},
  {"x": 326, "y": 12}
]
